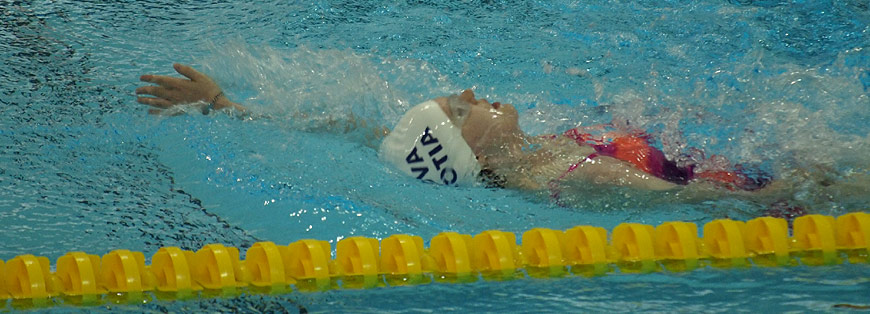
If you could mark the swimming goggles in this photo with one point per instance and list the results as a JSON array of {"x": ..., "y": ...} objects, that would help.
[{"x": 459, "y": 110}]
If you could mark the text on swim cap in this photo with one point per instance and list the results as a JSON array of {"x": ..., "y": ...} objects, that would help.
[{"x": 447, "y": 174}]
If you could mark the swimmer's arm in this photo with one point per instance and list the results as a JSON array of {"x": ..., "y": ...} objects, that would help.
[
  {"x": 611, "y": 171},
  {"x": 172, "y": 91}
]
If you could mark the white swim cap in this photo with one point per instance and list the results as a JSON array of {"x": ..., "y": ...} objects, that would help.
[{"x": 427, "y": 146}]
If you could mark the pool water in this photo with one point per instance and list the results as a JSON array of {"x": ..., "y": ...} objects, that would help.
[{"x": 776, "y": 85}]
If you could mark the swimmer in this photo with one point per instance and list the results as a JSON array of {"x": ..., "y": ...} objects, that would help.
[{"x": 460, "y": 139}]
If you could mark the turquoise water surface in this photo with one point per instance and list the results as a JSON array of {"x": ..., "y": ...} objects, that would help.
[{"x": 780, "y": 86}]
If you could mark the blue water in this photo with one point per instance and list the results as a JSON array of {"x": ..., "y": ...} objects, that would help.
[{"x": 778, "y": 85}]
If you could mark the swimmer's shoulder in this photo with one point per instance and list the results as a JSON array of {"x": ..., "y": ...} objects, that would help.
[{"x": 595, "y": 169}]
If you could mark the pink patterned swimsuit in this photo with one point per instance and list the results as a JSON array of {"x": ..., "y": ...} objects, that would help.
[{"x": 635, "y": 148}]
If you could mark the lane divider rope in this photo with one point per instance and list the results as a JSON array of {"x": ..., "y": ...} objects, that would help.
[{"x": 307, "y": 265}]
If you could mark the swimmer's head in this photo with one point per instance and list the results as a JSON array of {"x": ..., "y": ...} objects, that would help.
[
  {"x": 460, "y": 127},
  {"x": 490, "y": 129},
  {"x": 427, "y": 145}
]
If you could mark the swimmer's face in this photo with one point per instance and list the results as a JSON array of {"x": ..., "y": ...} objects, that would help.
[{"x": 487, "y": 127}]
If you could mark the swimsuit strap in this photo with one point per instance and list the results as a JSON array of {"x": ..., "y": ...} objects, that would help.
[
  {"x": 581, "y": 139},
  {"x": 555, "y": 191}
]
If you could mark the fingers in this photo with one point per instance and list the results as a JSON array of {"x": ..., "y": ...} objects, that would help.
[
  {"x": 154, "y": 102},
  {"x": 158, "y": 91},
  {"x": 189, "y": 72},
  {"x": 161, "y": 112},
  {"x": 169, "y": 91},
  {"x": 163, "y": 80}
]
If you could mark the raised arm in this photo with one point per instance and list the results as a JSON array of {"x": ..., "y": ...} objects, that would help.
[{"x": 172, "y": 91}]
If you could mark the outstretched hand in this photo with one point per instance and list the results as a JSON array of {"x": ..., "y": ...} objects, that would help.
[{"x": 171, "y": 91}]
